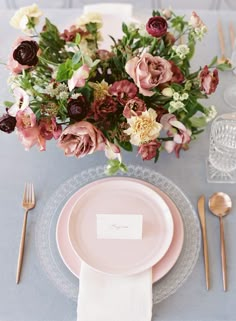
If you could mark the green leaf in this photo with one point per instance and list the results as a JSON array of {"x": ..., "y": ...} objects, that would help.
[
  {"x": 224, "y": 67},
  {"x": 213, "y": 62},
  {"x": 157, "y": 155},
  {"x": 114, "y": 166},
  {"x": 77, "y": 38},
  {"x": 198, "y": 122},
  {"x": 65, "y": 71},
  {"x": 76, "y": 58},
  {"x": 8, "y": 104},
  {"x": 92, "y": 27},
  {"x": 125, "y": 28},
  {"x": 126, "y": 146}
]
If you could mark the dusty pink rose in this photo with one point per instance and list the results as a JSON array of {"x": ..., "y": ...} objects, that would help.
[
  {"x": 134, "y": 107},
  {"x": 157, "y": 26},
  {"x": 49, "y": 128},
  {"x": 79, "y": 77},
  {"x": 149, "y": 150},
  {"x": 123, "y": 90},
  {"x": 148, "y": 72},
  {"x": 81, "y": 139},
  {"x": 208, "y": 80},
  {"x": 181, "y": 135},
  {"x": 13, "y": 65}
]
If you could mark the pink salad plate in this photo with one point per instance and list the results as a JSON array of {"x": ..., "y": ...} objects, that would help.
[
  {"x": 116, "y": 256},
  {"x": 73, "y": 261}
]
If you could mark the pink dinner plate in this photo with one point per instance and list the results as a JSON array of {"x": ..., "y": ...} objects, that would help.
[
  {"x": 116, "y": 256},
  {"x": 73, "y": 261}
]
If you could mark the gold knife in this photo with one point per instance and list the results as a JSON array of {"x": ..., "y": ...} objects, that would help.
[{"x": 201, "y": 213}]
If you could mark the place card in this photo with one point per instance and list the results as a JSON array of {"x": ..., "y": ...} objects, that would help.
[{"x": 119, "y": 226}]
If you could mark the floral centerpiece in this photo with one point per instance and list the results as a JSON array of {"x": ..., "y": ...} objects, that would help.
[{"x": 141, "y": 93}]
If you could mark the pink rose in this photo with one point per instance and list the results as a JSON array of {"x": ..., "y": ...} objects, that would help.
[
  {"x": 157, "y": 26},
  {"x": 134, "y": 107},
  {"x": 208, "y": 80},
  {"x": 148, "y": 72},
  {"x": 81, "y": 139},
  {"x": 149, "y": 150}
]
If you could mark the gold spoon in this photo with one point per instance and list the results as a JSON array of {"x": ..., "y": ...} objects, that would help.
[{"x": 220, "y": 204}]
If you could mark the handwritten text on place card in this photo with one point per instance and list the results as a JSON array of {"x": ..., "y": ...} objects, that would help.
[{"x": 119, "y": 226}]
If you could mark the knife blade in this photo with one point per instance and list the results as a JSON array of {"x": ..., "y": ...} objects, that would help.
[{"x": 201, "y": 213}]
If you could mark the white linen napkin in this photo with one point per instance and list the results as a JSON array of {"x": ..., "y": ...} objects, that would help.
[{"x": 105, "y": 297}]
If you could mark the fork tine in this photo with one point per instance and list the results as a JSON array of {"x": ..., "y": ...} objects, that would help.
[{"x": 32, "y": 193}]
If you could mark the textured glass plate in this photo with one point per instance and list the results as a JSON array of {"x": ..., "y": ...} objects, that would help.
[{"x": 66, "y": 282}]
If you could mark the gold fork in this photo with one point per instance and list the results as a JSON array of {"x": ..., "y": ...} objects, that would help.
[{"x": 28, "y": 203}]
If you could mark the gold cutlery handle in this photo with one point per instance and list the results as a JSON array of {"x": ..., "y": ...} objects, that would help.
[
  {"x": 201, "y": 212},
  {"x": 21, "y": 248},
  {"x": 206, "y": 257},
  {"x": 223, "y": 254}
]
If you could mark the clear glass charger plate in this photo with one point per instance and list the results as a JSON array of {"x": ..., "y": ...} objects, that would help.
[{"x": 66, "y": 282}]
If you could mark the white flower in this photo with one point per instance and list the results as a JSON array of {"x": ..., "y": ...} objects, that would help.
[
  {"x": 184, "y": 96},
  {"x": 22, "y": 101},
  {"x": 181, "y": 51},
  {"x": 89, "y": 17},
  {"x": 210, "y": 113},
  {"x": 175, "y": 105},
  {"x": 26, "y": 18},
  {"x": 63, "y": 95},
  {"x": 167, "y": 92},
  {"x": 143, "y": 128},
  {"x": 75, "y": 96},
  {"x": 176, "y": 96}
]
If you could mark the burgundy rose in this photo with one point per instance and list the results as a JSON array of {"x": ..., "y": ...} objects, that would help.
[
  {"x": 208, "y": 80},
  {"x": 178, "y": 76},
  {"x": 123, "y": 90},
  {"x": 134, "y": 106},
  {"x": 157, "y": 26},
  {"x": 26, "y": 53},
  {"x": 149, "y": 150},
  {"x": 7, "y": 123},
  {"x": 81, "y": 139},
  {"x": 103, "y": 108},
  {"x": 77, "y": 108}
]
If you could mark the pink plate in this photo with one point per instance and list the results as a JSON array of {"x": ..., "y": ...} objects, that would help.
[
  {"x": 120, "y": 257},
  {"x": 73, "y": 262}
]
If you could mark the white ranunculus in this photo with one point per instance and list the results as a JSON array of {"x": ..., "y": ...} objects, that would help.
[
  {"x": 143, "y": 128},
  {"x": 22, "y": 17}
]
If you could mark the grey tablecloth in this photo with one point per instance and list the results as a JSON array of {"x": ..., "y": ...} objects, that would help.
[{"x": 36, "y": 298}]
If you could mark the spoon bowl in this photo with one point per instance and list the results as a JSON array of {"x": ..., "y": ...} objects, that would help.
[{"x": 220, "y": 204}]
